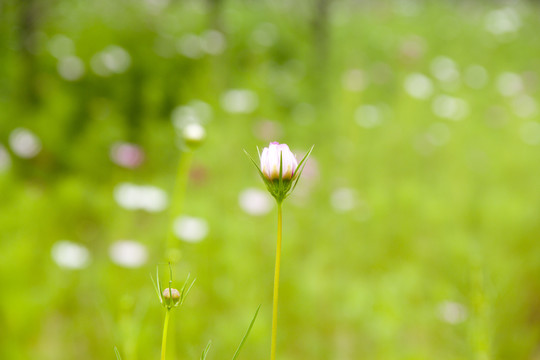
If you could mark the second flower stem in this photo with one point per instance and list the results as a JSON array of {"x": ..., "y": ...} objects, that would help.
[
  {"x": 276, "y": 285},
  {"x": 164, "y": 341}
]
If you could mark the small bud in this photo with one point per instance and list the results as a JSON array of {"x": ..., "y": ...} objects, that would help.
[
  {"x": 169, "y": 300},
  {"x": 279, "y": 169},
  {"x": 277, "y": 156},
  {"x": 193, "y": 135}
]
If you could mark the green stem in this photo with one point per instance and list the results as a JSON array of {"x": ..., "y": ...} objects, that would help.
[
  {"x": 179, "y": 191},
  {"x": 276, "y": 285},
  {"x": 164, "y": 341}
]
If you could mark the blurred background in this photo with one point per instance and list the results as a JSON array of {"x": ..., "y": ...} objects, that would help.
[{"x": 411, "y": 235}]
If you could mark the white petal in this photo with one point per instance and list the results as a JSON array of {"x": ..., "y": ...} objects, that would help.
[{"x": 264, "y": 162}]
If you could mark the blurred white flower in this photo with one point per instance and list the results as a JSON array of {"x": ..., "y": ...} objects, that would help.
[
  {"x": 476, "y": 76},
  {"x": 111, "y": 60},
  {"x": 509, "y": 84},
  {"x": 134, "y": 197},
  {"x": 344, "y": 199},
  {"x": 190, "y": 45},
  {"x": 190, "y": 229},
  {"x": 355, "y": 80},
  {"x": 127, "y": 155},
  {"x": 452, "y": 312},
  {"x": 71, "y": 68},
  {"x": 418, "y": 86},
  {"x": 193, "y": 134},
  {"x": 444, "y": 69},
  {"x": 502, "y": 21},
  {"x": 255, "y": 202},
  {"x": 24, "y": 143},
  {"x": 116, "y": 58},
  {"x": 156, "y": 6},
  {"x": 213, "y": 42},
  {"x": 449, "y": 107},
  {"x": 128, "y": 253},
  {"x": 196, "y": 111},
  {"x": 368, "y": 116},
  {"x": 525, "y": 106},
  {"x": 70, "y": 255},
  {"x": 5, "y": 159},
  {"x": 60, "y": 46},
  {"x": 239, "y": 101},
  {"x": 530, "y": 132},
  {"x": 184, "y": 115}
]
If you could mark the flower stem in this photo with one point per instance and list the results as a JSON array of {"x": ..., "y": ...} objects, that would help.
[
  {"x": 276, "y": 285},
  {"x": 164, "y": 341}
]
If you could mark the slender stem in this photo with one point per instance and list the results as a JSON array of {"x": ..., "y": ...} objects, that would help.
[
  {"x": 276, "y": 285},
  {"x": 164, "y": 341}
]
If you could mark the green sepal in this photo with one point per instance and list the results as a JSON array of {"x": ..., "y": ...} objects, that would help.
[{"x": 279, "y": 188}]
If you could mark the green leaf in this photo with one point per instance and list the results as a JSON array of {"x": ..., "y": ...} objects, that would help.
[
  {"x": 257, "y": 167},
  {"x": 300, "y": 167},
  {"x": 247, "y": 334},
  {"x": 206, "y": 350},
  {"x": 184, "y": 292},
  {"x": 156, "y": 286},
  {"x": 118, "y": 357}
]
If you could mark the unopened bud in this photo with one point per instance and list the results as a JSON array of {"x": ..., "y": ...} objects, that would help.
[
  {"x": 193, "y": 135},
  {"x": 171, "y": 300},
  {"x": 278, "y": 157}
]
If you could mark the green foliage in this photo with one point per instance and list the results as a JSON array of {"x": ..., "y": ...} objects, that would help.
[{"x": 413, "y": 233}]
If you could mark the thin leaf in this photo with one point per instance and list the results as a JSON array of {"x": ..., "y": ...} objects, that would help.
[
  {"x": 252, "y": 160},
  {"x": 157, "y": 281},
  {"x": 206, "y": 350},
  {"x": 118, "y": 357},
  {"x": 305, "y": 158},
  {"x": 301, "y": 167},
  {"x": 184, "y": 294},
  {"x": 156, "y": 288},
  {"x": 185, "y": 283},
  {"x": 247, "y": 334},
  {"x": 257, "y": 167}
]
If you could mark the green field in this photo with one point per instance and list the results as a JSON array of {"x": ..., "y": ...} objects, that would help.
[{"x": 412, "y": 233}]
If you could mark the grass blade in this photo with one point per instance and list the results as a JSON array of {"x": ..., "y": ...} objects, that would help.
[
  {"x": 156, "y": 287},
  {"x": 247, "y": 334},
  {"x": 118, "y": 357},
  {"x": 206, "y": 350}
]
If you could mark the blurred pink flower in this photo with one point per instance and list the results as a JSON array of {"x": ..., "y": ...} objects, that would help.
[{"x": 127, "y": 155}]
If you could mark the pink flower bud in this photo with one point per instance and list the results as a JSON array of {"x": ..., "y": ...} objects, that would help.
[
  {"x": 273, "y": 156},
  {"x": 172, "y": 298}
]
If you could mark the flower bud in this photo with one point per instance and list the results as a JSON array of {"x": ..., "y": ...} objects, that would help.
[
  {"x": 172, "y": 298},
  {"x": 193, "y": 135},
  {"x": 277, "y": 156}
]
